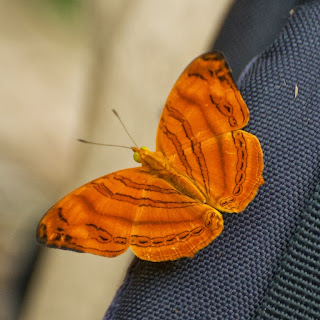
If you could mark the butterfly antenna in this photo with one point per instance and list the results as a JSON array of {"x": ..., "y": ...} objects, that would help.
[
  {"x": 116, "y": 114},
  {"x": 103, "y": 144}
]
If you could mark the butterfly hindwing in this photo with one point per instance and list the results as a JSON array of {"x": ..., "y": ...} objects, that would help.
[
  {"x": 227, "y": 167},
  {"x": 171, "y": 225}
]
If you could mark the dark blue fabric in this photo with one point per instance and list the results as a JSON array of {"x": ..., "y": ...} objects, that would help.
[
  {"x": 295, "y": 290},
  {"x": 249, "y": 28},
  {"x": 233, "y": 276}
]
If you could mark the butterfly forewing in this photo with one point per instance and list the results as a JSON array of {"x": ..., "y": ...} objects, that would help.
[
  {"x": 203, "y": 103},
  {"x": 95, "y": 218}
]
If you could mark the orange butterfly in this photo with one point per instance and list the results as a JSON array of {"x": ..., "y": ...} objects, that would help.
[{"x": 170, "y": 206}]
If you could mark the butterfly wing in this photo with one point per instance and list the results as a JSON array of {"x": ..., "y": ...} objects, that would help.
[
  {"x": 199, "y": 133},
  {"x": 228, "y": 168},
  {"x": 171, "y": 225},
  {"x": 130, "y": 208},
  {"x": 95, "y": 218},
  {"x": 203, "y": 103}
]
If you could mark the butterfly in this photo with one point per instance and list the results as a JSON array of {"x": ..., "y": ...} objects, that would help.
[{"x": 169, "y": 207}]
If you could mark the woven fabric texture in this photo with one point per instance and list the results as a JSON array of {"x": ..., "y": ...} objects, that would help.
[
  {"x": 237, "y": 275},
  {"x": 295, "y": 290},
  {"x": 249, "y": 28}
]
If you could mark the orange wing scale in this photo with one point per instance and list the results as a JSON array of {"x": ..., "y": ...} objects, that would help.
[
  {"x": 199, "y": 133},
  {"x": 228, "y": 167},
  {"x": 203, "y": 103},
  {"x": 130, "y": 208},
  {"x": 169, "y": 207}
]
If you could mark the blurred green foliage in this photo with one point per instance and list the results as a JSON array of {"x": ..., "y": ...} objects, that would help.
[
  {"x": 62, "y": 9},
  {"x": 65, "y": 7}
]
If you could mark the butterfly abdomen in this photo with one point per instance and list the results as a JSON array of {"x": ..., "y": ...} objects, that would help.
[
  {"x": 187, "y": 187},
  {"x": 157, "y": 164}
]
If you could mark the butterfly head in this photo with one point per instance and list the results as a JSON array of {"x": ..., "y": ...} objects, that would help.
[{"x": 138, "y": 153}]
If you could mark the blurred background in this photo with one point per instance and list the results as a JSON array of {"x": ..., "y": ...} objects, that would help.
[{"x": 64, "y": 65}]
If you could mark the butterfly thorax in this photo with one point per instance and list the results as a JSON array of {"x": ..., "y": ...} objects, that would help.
[{"x": 158, "y": 165}]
